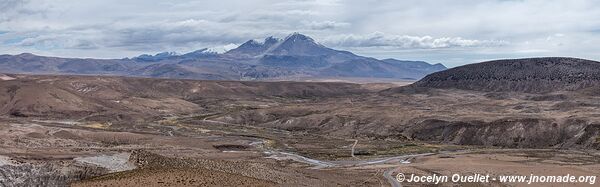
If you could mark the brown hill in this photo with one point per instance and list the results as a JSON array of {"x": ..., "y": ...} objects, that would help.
[
  {"x": 330, "y": 109},
  {"x": 86, "y": 96}
]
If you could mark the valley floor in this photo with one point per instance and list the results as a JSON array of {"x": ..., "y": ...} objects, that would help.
[
  {"x": 99, "y": 131},
  {"x": 209, "y": 155}
]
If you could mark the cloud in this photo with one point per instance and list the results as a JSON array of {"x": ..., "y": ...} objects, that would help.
[
  {"x": 7, "y": 5},
  {"x": 223, "y": 48},
  {"x": 63, "y": 41},
  {"x": 379, "y": 39},
  {"x": 166, "y": 35},
  {"x": 323, "y": 25},
  {"x": 10, "y": 8},
  {"x": 434, "y": 30}
]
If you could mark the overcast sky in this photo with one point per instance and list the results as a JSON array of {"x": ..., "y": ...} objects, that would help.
[{"x": 450, "y": 32}]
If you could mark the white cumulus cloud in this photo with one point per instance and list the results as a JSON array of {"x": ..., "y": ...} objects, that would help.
[{"x": 379, "y": 39}]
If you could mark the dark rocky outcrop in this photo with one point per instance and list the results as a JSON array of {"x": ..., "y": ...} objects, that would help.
[{"x": 531, "y": 75}]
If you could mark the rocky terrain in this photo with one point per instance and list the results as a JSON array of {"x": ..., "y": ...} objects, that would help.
[
  {"x": 295, "y": 57},
  {"x": 533, "y": 75},
  {"x": 106, "y": 130},
  {"x": 340, "y": 109}
]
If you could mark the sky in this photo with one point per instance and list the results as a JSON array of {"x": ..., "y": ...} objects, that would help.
[{"x": 452, "y": 32}]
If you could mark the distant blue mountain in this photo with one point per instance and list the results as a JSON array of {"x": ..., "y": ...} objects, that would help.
[
  {"x": 156, "y": 57},
  {"x": 294, "y": 56}
]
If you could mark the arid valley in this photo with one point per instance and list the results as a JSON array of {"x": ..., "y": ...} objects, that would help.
[
  {"x": 103, "y": 130},
  {"x": 312, "y": 93}
]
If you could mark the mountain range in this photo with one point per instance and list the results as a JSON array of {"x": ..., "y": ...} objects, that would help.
[{"x": 293, "y": 57}]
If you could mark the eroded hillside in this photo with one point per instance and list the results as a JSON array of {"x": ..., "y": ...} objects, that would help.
[{"x": 451, "y": 116}]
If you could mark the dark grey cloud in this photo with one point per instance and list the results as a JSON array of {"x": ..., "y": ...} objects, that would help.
[
  {"x": 7, "y": 5},
  {"x": 10, "y": 8},
  {"x": 324, "y": 25},
  {"x": 14, "y": 9}
]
